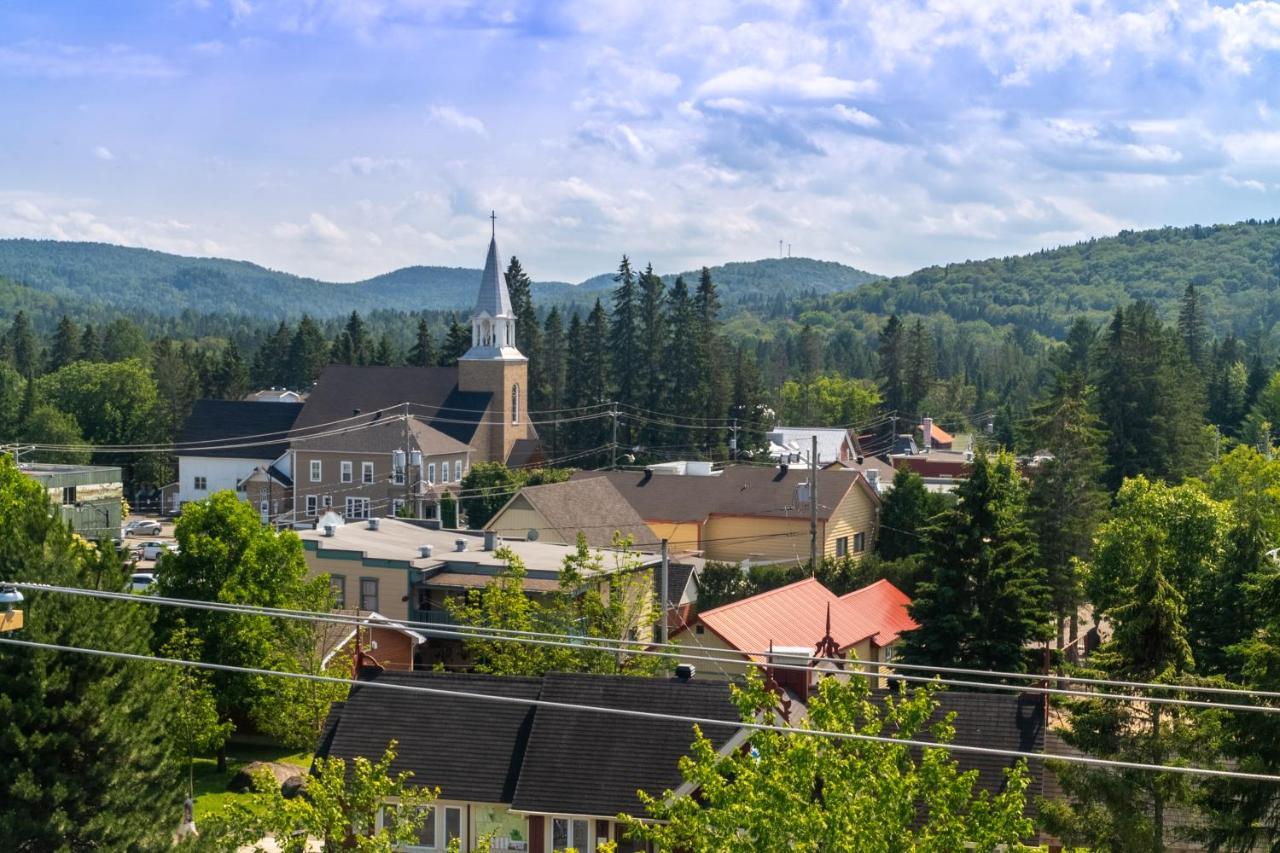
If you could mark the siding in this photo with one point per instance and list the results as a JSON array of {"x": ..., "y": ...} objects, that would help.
[
  {"x": 393, "y": 584},
  {"x": 772, "y": 540},
  {"x": 519, "y": 518},
  {"x": 855, "y": 514},
  {"x": 680, "y": 536}
]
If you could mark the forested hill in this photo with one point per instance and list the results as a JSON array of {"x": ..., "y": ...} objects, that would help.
[
  {"x": 106, "y": 278},
  {"x": 1235, "y": 269}
]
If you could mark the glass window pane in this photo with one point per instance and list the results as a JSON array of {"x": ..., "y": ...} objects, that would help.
[
  {"x": 427, "y": 832},
  {"x": 580, "y": 829},
  {"x": 559, "y": 833},
  {"x": 452, "y": 823}
]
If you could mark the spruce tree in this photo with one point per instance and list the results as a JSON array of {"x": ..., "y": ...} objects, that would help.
[
  {"x": 892, "y": 356},
  {"x": 905, "y": 515},
  {"x": 918, "y": 371},
  {"x": 360, "y": 348},
  {"x": 231, "y": 376},
  {"x": 271, "y": 361},
  {"x": 555, "y": 366},
  {"x": 90, "y": 348},
  {"x": 528, "y": 332},
  {"x": 383, "y": 354},
  {"x": 22, "y": 345},
  {"x": 1191, "y": 327},
  {"x": 685, "y": 375},
  {"x": 65, "y": 347},
  {"x": 747, "y": 404},
  {"x": 986, "y": 599},
  {"x": 624, "y": 341},
  {"x": 456, "y": 343},
  {"x": 651, "y": 369},
  {"x": 308, "y": 354},
  {"x": 423, "y": 353},
  {"x": 713, "y": 361}
]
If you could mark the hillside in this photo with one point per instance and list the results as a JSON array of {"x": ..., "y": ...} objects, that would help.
[
  {"x": 125, "y": 279},
  {"x": 1235, "y": 268}
]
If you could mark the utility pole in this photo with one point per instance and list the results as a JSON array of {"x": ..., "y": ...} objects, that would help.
[
  {"x": 613, "y": 445},
  {"x": 662, "y": 607},
  {"x": 813, "y": 506},
  {"x": 408, "y": 486},
  {"x": 733, "y": 441}
]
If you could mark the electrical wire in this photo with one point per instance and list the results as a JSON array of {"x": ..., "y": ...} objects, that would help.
[{"x": 738, "y": 725}]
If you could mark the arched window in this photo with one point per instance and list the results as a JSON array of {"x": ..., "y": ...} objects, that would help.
[{"x": 515, "y": 403}]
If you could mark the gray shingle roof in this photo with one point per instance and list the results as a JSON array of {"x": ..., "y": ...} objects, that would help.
[
  {"x": 229, "y": 421},
  {"x": 591, "y": 506},
  {"x": 494, "y": 299}
]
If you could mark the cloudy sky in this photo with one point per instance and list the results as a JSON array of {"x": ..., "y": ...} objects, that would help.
[{"x": 343, "y": 138}]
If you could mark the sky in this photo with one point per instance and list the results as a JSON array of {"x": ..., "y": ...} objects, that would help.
[{"x": 341, "y": 139}]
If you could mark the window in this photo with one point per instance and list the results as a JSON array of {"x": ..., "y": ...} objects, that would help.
[
  {"x": 311, "y": 504},
  {"x": 431, "y": 472},
  {"x": 397, "y": 504},
  {"x": 366, "y": 472},
  {"x": 427, "y": 832},
  {"x": 316, "y": 470},
  {"x": 572, "y": 832},
  {"x": 327, "y": 502},
  {"x": 338, "y": 583},
  {"x": 859, "y": 542},
  {"x": 68, "y": 495},
  {"x": 357, "y": 508},
  {"x": 842, "y": 546},
  {"x": 457, "y": 470},
  {"x": 201, "y": 483},
  {"x": 346, "y": 471},
  {"x": 698, "y": 629},
  {"x": 264, "y": 507},
  {"x": 452, "y": 823},
  {"x": 368, "y": 593},
  {"x": 515, "y": 403},
  {"x": 397, "y": 476}
]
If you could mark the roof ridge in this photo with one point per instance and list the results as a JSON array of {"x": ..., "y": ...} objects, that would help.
[{"x": 762, "y": 595}]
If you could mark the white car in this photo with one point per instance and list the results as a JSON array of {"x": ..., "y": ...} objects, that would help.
[
  {"x": 153, "y": 550},
  {"x": 141, "y": 581},
  {"x": 142, "y": 528}
]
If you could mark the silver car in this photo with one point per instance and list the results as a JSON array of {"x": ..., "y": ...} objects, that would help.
[
  {"x": 141, "y": 581},
  {"x": 142, "y": 528}
]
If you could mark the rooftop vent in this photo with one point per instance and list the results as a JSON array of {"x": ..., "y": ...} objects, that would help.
[
  {"x": 685, "y": 672},
  {"x": 373, "y": 524},
  {"x": 459, "y": 544},
  {"x": 329, "y": 529},
  {"x": 491, "y": 540},
  {"x": 425, "y": 550}
]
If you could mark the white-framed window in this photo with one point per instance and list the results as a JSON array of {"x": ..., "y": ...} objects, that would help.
[
  {"x": 443, "y": 823},
  {"x": 317, "y": 470},
  {"x": 357, "y": 508},
  {"x": 201, "y": 483},
  {"x": 366, "y": 472},
  {"x": 264, "y": 509},
  {"x": 338, "y": 583},
  {"x": 457, "y": 470},
  {"x": 312, "y": 503},
  {"x": 396, "y": 505},
  {"x": 575, "y": 832},
  {"x": 327, "y": 502},
  {"x": 369, "y": 594},
  {"x": 859, "y": 542},
  {"x": 346, "y": 471},
  {"x": 842, "y": 546},
  {"x": 431, "y": 472},
  {"x": 515, "y": 403}
]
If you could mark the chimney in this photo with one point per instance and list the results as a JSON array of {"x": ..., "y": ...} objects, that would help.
[
  {"x": 424, "y": 550},
  {"x": 926, "y": 427},
  {"x": 685, "y": 672},
  {"x": 373, "y": 524},
  {"x": 459, "y": 544},
  {"x": 491, "y": 540}
]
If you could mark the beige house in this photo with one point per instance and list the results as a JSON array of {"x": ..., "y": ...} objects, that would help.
[
  {"x": 558, "y": 512},
  {"x": 750, "y": 513}
]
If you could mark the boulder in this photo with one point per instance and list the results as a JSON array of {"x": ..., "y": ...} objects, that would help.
[
  {"x": 293, "y": 786},
  {"x": 243, "y": 780}
]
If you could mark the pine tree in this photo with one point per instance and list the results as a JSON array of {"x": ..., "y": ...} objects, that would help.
[
  {"x": 271, "y": 361},
  {"x": 90, "y": 348},
  {"x": 423, "y": 353},
  {"x": 713, "y": 361},
  {"x": 528, "y": 332},
  {"x": 905, "y": 516},
  {"x": 987, "y": 598},
  {"x": 624, "y": 342},
  {"x": 651, "y": 369},
  {"x": 555, "y": 357},
  {"x": 456, "y": 343},
  {"x": 918, "y": 372},
  {"x": 65, "y": 347},
  {"x": 685, "y": 374},
  {"x": 1191, "y": 327},
  {"x": 360, "y": 349},
  {"x": 308, "y": 354},
  {"x": 22, "y": 345},
  {"x": 383, "y": 354},
  {"x": 231, "y": 376},
  {"x": 892, "y": 358},
  {"x": 747, "y": 405},
  {"x": 588, "y": 364}
]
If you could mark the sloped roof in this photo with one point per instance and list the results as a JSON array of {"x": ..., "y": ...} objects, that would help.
[
  {"x": 494, "y": 299},
  {"x": 231, "y": 421},
  {"x": 939, "y": 435},
  {"x": 591, "y": 506},
  {"x": 886, "y": 606},
  {"x": 742, "y": 490},
  {"x": 342, "y": 388},
  {"x": 801, "y": 437}
]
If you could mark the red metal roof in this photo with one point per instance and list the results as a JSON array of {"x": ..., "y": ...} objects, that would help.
[
  {"x": 796, "y": 615},
  {"x": 884, "y": 604},
  {"x": 940, "y": 436}
]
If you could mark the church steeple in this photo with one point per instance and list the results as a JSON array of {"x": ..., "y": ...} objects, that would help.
[{"x": 493, "y": 323}]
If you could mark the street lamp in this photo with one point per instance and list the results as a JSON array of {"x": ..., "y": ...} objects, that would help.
[{"x": 10, "y": 619}]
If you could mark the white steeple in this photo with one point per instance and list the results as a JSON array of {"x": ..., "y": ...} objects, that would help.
[{"x": 493, "y": 324}]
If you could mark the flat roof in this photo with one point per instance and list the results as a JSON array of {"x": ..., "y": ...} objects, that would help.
[
  {"x": 396, "y": 539},
  {"x": 38, "y": 469}
]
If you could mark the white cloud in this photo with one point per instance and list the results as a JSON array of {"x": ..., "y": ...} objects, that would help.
[
  {"x": 102, "y": 152},
  {"x": 854, "y": 116},
  {"x": 805, "y": 82},
  {"x": 451, "y": 116},
  {"x": 318, "y": 228},
  {"x": 55, "y": 60},
  {"x": 365, "y": 166}
]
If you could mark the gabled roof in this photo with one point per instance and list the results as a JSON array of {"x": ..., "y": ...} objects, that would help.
[
  {"x": 801, "y": 438},
  {"x": 886, "y": 606},
  {"x": 796, "y": 615},
  {"x": 591, "y": 506},
  {"x": 737, "y": 490},
  {"x": 494, "y": 299},
  {"x": 231, "y": 422},
  {"x": 382, "y": 431},
  {"x": 342, "y": 388},
  {"x": 940, "y": 436}
]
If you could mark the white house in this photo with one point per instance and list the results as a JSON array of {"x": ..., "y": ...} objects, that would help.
[{"x": 225, "y": 441}]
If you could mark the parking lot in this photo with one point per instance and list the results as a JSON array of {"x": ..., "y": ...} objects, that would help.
[{"x": 134, "y": 539}]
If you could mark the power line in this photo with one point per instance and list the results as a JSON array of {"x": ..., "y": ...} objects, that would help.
[{"x": 659, "y": 716}]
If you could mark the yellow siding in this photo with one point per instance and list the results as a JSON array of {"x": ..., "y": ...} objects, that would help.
[
  {"x": 856, "y": 513},
  {"x": 392, "y": 583},
  {"x": 772, "y": 540},
  {"x": 518, "y": 518},
  {"x": 708, "y": 643},
  {"x": 680, "y": 536}
]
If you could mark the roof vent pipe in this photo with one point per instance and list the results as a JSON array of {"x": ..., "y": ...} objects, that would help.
[
  {"x": 491, "y": 540},
  {"x": 329, "y": 529},
  {"x": 927, "y": 429},
  {"x": 685, "y": 672},
  {"x": 373, "y": 524},
  {"x": 459, "y": 544},
  {"x": 424, "y": 550}
]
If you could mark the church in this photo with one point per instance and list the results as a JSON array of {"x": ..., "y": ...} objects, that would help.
[{"x": 372, "y": 441}]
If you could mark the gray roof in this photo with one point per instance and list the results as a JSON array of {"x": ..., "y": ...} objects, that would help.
[
  {"x": 215, "y": 422},
  {"x": 591, "y": 506},
  {"x": 829, "y": 440},
  {"x": 494, "y": 299},
  {"x": 382, "y": 431}
]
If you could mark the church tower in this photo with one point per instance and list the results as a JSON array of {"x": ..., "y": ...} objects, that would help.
[{"x": 495, "y": 365}]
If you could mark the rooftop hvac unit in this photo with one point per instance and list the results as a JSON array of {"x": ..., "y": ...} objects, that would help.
[
  {"x": 329, "y": 530},
  {"x": 373, "y": 524},
  {"x": 425, "y": 550},
  {"x": 459, "y": 544}
]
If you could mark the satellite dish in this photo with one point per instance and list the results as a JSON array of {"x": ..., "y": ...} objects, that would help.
[{"x": 532, "y": 535}]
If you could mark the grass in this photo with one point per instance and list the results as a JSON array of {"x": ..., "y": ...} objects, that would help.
[{"x": 211, "y": 786}]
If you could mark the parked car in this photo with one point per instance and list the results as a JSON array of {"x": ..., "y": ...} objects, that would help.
[
  {"x": 142, "y": 528},
  {"x": 141, "y": 581},
  {"x": 153, "y": 550}
]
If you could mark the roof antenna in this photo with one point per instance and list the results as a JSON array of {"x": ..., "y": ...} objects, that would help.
[{"x": 493, "y": 224}]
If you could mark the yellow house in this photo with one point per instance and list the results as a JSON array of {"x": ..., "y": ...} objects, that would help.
[{"x": 754, "y": 513}]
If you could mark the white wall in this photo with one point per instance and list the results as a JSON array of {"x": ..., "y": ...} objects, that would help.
[{"x": 219, "y": 474}]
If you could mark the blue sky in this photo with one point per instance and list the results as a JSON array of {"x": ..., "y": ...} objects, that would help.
[{"x": 341, "y": 139}]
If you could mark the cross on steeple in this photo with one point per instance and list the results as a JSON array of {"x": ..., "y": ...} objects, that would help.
[{"x": 493, "y": 224}]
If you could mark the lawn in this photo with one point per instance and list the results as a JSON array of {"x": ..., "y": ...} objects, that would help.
[{"x": 211, "y": 786}]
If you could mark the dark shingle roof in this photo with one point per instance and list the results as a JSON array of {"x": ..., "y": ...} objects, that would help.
[
  {"x": 585, "y": 762},
  {"x": 229, "y": 421},
  {"x": 591, "y": 506},
  {"x": 470, "y": 748},
  {"x": 737, "y": 490},
  {"x": 342, "y": 388}
]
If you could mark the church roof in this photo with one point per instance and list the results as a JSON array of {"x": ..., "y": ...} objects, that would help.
[{"x": 494, "y": 299}]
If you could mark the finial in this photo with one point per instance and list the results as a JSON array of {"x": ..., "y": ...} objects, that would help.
[{"x": 493, "y": 224}]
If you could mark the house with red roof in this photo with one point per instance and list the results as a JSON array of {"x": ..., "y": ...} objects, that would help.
[{"x": 799, "y": 622}]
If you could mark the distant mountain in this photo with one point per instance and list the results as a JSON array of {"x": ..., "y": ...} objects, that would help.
[{"x": 125, "y": 279}]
